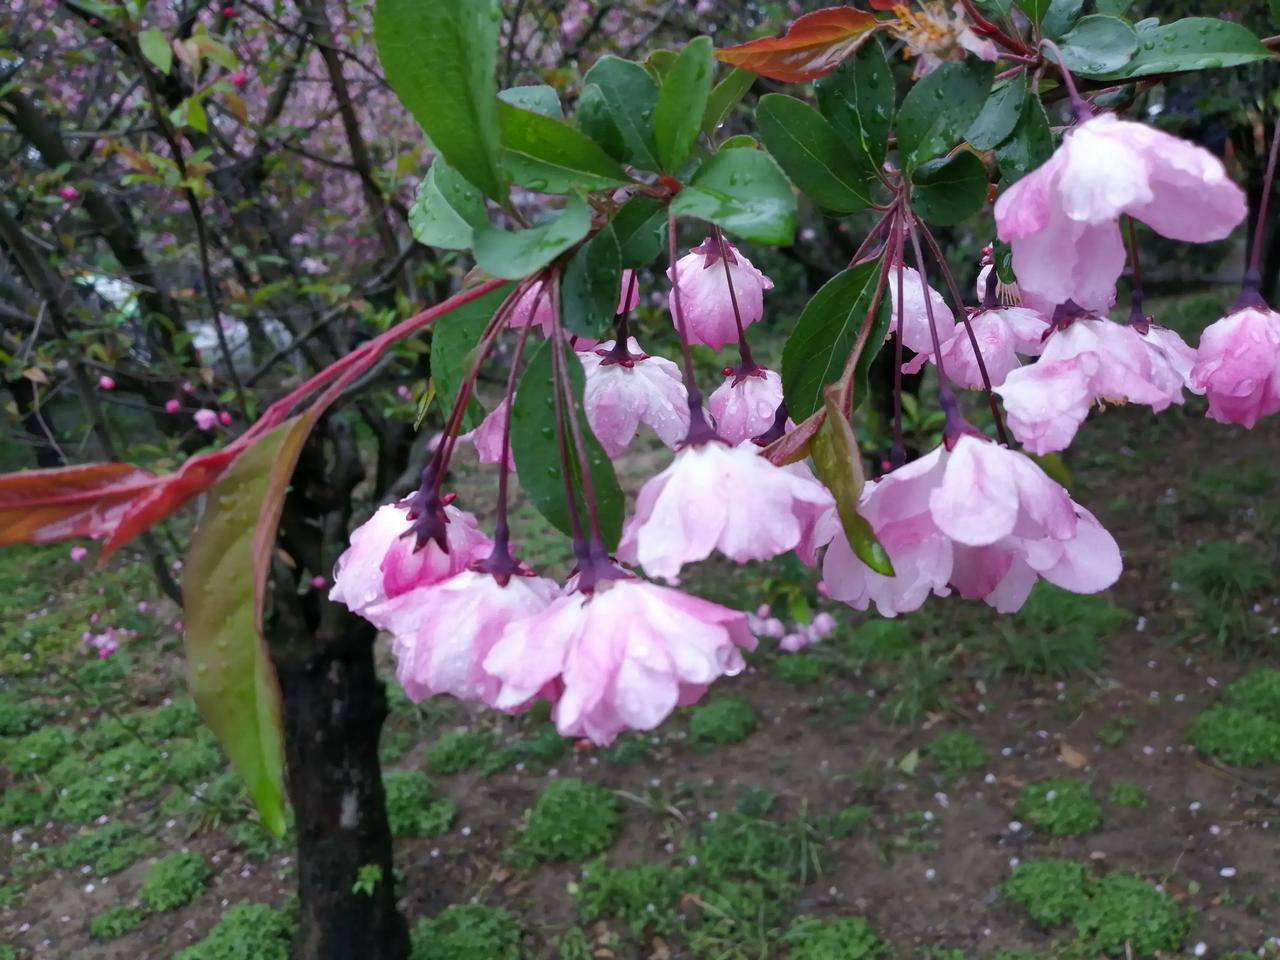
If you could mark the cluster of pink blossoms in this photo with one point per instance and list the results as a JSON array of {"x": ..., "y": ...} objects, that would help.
[{"x": 612, "y": 651}]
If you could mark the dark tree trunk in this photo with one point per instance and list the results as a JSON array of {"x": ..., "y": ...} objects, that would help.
[
  {"x": 334, "y": 707},
  {"x": 42, "y": 441}
]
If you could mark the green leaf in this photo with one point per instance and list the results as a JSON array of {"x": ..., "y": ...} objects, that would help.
[
  {"x": 590, "y": 287},
  {"x": 819, "y": 345},
  {"x": 1097, "y": 45},
  {"x": 813, "y": 155},
  {"x": 155, "y": 47},
  {"x": 453, "y": 338},
  {"x": 439, "y": 58},
  {"x": 838, "y": 463},
  {"x": 537, "y": 451},
  {"x": 514, "y": 254},
  {"x": 1194, "y": 43},
  {"x": 230, "y": 673},
  {"x": 744, "y": 192},
  {"x": 641, "y": 230},
  {"x": 999, "y": 114},
  {"x": 1275, "y": 9},
  {"x": 446, "y": 209},
  {"x": 857, "y": 97},
  {"x": 1034, "y": 9},
  {"x": 1118, "y": 8},
  {"x": 659, "y": 63},
  {"x": 949, "y": 190},
  {"x": 682, "y": 102},
  {"x": 1060, "y": 16},
  {"x": 940, "y": 108},
  {"x": 630, "y": 97},
  {"x": 537, "y": 98},
  {"x": 1029, "y": 146},
  {"x": 596, "y": 121},
  {"x": 741, "y": 141},
  {"x": 549, "y": 156},
  {"x": 726, "y": 95}
]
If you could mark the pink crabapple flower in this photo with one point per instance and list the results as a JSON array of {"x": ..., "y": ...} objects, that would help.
[
  {"x": 915, "y": 315},
  {"x": 239, "y": 79},
  {"x": 523, "y": 312},
  {"x": 224, "y": 418},
  {"x": 69, "y": 193},
  {"x": 623, "y": 658},
  {"x": 1002, "y": 334},
  {"x": 487, "y": 438},
  {"x": 981, "y": 518},
  {"x": 933, "y": 36},
  {"x": 1062, "y": 219},
  {"x": 318, "y": 582},
  {"x": 106, "y": 383},
  {"x": 381, "y": 562},
  {"x": 78, "y": 554},
  {"x": 622, "y": 393},
  {"x": 704, "y": 293},
  {"x": 172, "y": 406},
  {"x": 630, "y": 285},
  {"x": 719, "y": 497},
  {"x": 205, "y": 418},
  {"x": 1237, "y": 366},
  {"x": 745, "y": 405},
  {"x": 442, "y": 632},
  {"x": 1092, "y": 360}
]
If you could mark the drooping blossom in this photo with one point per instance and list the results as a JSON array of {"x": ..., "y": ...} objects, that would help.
[
  {"x": 628, "y": 292},
  {"x": 1062, "y": 218},
  {"x": 381, "y": 563},
  {"x": 915, "y": 314},
  {"x": 172, "y": 406},
  {"x": 1237, "y": 365},
  {"x": 442, "y": 632},
  {"x": 523, "y": 310},
  {"x": 624, "y": 390},
  {"x": 933, "y": 35},
  {"x": 1091, "y": 360},
  {"x": 1003, "y": 333},
  {"x": 205, "y": 418},
  {"x": 745, "y": 405},
  {"x": 487, "y": 438},
  {"x": 717, "y": 497},
  {"x": 704, "y": 293},
  {"x": 623, "y": 658},
  {"x": 981, "y": 518},
  {"x": 106, "y": 383}
]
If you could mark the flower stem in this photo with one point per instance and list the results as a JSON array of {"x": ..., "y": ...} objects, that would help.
[
  {"x": 1253, "y": 278},
  {"x": 898, "y": 452},
  {"x": 699, "y": 429},
  {"x": 1079, "y": 105},
  {"x": 744, "y": 351},
  {"x": 1137, "y": 318}
]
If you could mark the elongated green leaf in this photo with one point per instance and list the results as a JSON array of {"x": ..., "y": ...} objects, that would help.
[
  {"x": 940, "y": 108},
  {"x": 1193, "y": 43},
  {"x": 726, "y": 95},
  {"x": 813, "y": 155},
  {"x": 1097, "y": 45},
  {"x": 641, "y": 229},
  {"x": 949, "y": 190},
  {"x": 590, "y": 287},
  {"x": 537, "y": 98},
  {"x": 229, "y": 671},
  {"x": 682, "y": 102},
  {"x": 744, "y": 192},
  {"x": 630, "y": 97},
  {"x": 549, "y": 156},
  {"x": 454, "y": 338},
  {"x": 1030, "y": 144},
  {"x": 155, "y": 47},
  {"x": 1114, "y": 8},
  {"x": 596, "y": 121},
  {"x": 446, "y": 209},
  {"x": 537, "y": 452},
  {"x": 1060, "y": 17},
  {"x": 838, "y": 463},
  {"x": 819, "y": 345},
  {"x": 741, "y": 141},
  {"x": 999, "y": 114},
  {"x": 857, "y": 97},
  {"x": 439, "y": 58},
  {"x": 1034, "y": 9},
  {"x": 513, "y": 254}
]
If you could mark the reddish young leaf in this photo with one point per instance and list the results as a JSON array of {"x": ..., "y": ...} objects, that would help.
[
  {"x": 884, "y": 4},
  {"x": 812, "y": 46},
  {"x": 45, "y": 506}
]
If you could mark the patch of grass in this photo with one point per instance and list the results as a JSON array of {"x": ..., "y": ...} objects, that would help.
[
  {"x": 192, "y": 759},
  {"x": 176, "y": 719},
  {"x": 134, "y": 763},
  {"x": 412, "y": 808},
  {"x": 459, "y": 750},
  {"x": 1115, "y": 730},
  {"x": 956, "y": 752},
  {"x": 174, "y": 881},
  {"x": 18, "y": 716},
  {"x": 539, "y": 751},
  {"x": 1056, "y": 632},
  {"x": 1128, "y": 795},
  {"x": 1060, "y": 806},
  {"x": 570, "y": 820},
  {"x": 631, "y": 747},
  {"x": 724, "y": 720},
  {"x": 103, "y": 735},
  {"x": 254, "y": 839},
  {"x": 849, "y": 938},
  {"x": 108, "y": 849},
  {"x": 844, "y": 823},
  {"x": 1258, "y": 691},
  {"x": 247, "y": 931},
  {"x": 1220, "y": 579},
  {"x": 1238, "y": 737},
  {"x": 40, "y": 750},
  {"x": 87, "y": 799},
  {"x": 1051, "y": 891},
  {"x": 1126, "y": 912},
  {"x": 881, "y": 639},
  {"x": 915, "y": 684},
  {"x": 644, "y": 897},
  {"x": 114, "y": 922},
  {"x": 799, "y": 668},
  {"x": 469, "y": 931},
  {"x": 23, "y": 806}
]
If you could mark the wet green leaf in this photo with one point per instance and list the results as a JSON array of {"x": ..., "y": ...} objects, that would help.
[
  {"x": 682, "y": 101},
  {"x": 536, "y": 98},
  {"x": 813, "y": 155},
  {"x": 857, "y": 97},
  {"x": 549, "y": 156},
  {"x": 999, "y": 114},
  {"x": 590, "y": 286},
  {"x": 744, "y": 192},
  {"x": 1097, "y": 45},
  {"x": 453, "y": 338},
  {"x": 629, "y": 97},
  {"x": 940, "y": 108},
  {"x": 1030, "y": 144},
  {"x": 726, "y": 95},
  {"x": 514, "y": 254},
  {"x": 949, "y": 190},
  {"x": 1193, "y": 43},
  {"x": 641, "y": 230},
  {"x": 155, "y": 47},
  {"x": 446, "y": 209}
]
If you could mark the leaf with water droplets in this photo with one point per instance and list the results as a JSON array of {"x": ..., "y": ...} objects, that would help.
[
  {"x": 682, "y": 102},
  {"x": 1097, "y": 44},
  {"x": 813, "y": 155},
  {"x": 940, "y": 108},
  {"x": 744, "y": 192},
  {"x": 515, "y": 254},
  {"x": 1194, "y": 43},
  {"x": 624, "y": 98},
  {"x": 446, "y": 209},
  {"x": 1030, "y": 144},
  {"x": 813, "y": 45},
  {"x": 549, "y": 156},
  {"x": 857, "y": 97},
  {"x": 949, "y": 190},
  {"x": 454, "y": 337}
]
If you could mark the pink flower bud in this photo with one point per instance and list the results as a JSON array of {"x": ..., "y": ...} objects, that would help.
[
  {"x": 172, "y": 406},
  {"x": 318, "y": 581},
  {"x": 205, "y": 418},
  {"x": 224, "y": 418},
  {"x": 106, "y": 383},
  {"x": 240, "y": 79},
  {"x": 404, "y": 393},
  {"x": 78, "y": 553},
  {"x": 69, "y": 193}
]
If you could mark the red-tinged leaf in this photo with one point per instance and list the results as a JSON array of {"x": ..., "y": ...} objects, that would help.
[
  {"x": 45, "y": 506},
  {"x": 812, "y": 46},
  {"x": 229, "y": 670},
  {"x": 794, "y": 445},
  {"x": 884, "y": 4}
]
